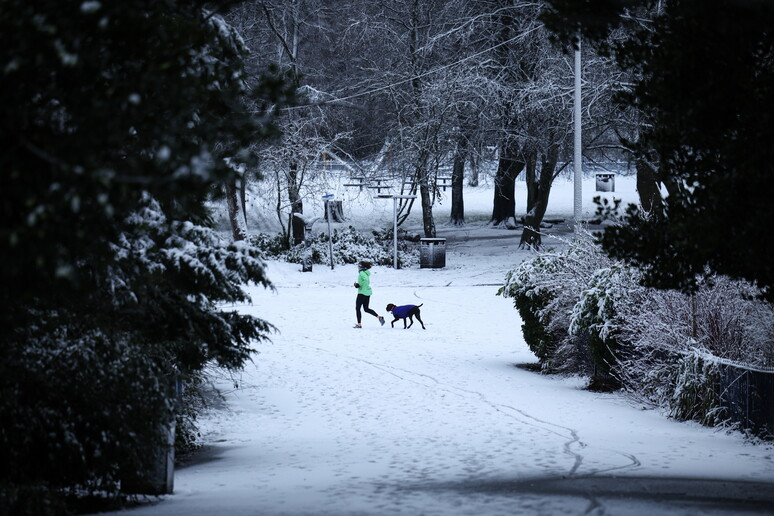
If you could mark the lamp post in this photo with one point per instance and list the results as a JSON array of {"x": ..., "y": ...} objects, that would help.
[
  {"x": 577, "y": 160},
  {"x": 395, "y": 199}
]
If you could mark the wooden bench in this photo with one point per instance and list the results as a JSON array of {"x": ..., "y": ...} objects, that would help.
[{"x": 444, "y": 182}]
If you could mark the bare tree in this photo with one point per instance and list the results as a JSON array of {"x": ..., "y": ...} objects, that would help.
[
  {"x": 420, "y": 87},
  {"x": 294, "y": 34},
  {"x": 418, "y": 73},
  {"x": 507, "y": 26}
]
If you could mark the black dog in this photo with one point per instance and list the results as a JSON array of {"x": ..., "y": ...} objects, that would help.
[{"x": 401, "y": 312}]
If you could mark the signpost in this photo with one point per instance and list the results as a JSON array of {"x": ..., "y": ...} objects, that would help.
[
  {"x": 395, "y": 199},
  {"x": 327, "y": 198}
]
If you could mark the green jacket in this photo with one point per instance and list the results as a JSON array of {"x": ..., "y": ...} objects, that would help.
[{"x": 364, "y": 280}]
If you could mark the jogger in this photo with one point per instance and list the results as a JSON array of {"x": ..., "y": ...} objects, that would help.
[{"x": 363, "y": 285}]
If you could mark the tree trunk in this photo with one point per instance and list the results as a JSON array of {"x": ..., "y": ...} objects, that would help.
[
  {"x": 530, "y": 177},
  {"x": 243, "y": 197},
  {"x": 458, "y": 174},
  {"x": 427, "y": 204},
  {"x": 296, "y": 204},
  {"x": 509, "y": 167},
  {"x": 278, "y": 210},
  {"x": 647, "y": 186},
  {"x": 474, "y": 160},
  {"x": 531, "y": 237},
  {"x": 238, "y": 229}
]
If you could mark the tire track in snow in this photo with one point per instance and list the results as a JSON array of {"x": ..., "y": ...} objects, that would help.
[
  {"x": 595, "y": 506},
  {"x": 525, "y": 418},
  {"x": 573, "y": 434},
  {"x": 573, "y": 439}
]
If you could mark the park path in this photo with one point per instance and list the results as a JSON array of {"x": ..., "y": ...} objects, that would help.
[{"x": 330, "y": 420}]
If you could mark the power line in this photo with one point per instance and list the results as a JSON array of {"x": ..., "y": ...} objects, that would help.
[{"x": 413, "y": 77}]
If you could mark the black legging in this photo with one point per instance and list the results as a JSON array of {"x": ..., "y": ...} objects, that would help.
[{"x": 362, "y": 301}]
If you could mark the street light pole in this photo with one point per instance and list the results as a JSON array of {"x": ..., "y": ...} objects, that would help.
[
  {"x": 395, "y": 222},
  {"x": 577, "y": 161}
]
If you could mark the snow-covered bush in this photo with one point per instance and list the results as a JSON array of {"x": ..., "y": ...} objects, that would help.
[
  {"x": 270, "y": 246},
  {"x": 349, "y": 246},
  {"x": 670, "y": 339},
  {"x": 545, "y": 290},
  {"x": 695, "y": 381},
  {"x": 531, "y": 299},
  {"x": 723, "y": 318},
  {"x": 596, "y": 314},
  {"x": 685, "y": 385},
  {"x": 584, "y": 313},
  {"x": 199, "y": 396},
  {"x": 191, "y": 405}
]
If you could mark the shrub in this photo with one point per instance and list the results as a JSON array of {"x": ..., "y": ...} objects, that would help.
[
  {"x": 38, "y": 500},
  {"x": 596, "y": 316},
  {"x": 349, "y": 246},
  {"x": 190, "y": 405},
  {"x": 545, "y": 290},
  {"x": 670, "y": 338},
  {"x": 580, "y": 309},
  {"x": 694, "y": 390},
  {"x": 536, "y": 334},
  {"x": 722, "y": 318},
  {"x": 531, "y": 300},
  {"x": 270, "y": 246},
  {"x": 86, "y": 412}
]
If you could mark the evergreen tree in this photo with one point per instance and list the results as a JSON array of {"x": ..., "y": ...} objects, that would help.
[
  {"x": 115, "y": 121},
  {"x": 704, "y": 82}
]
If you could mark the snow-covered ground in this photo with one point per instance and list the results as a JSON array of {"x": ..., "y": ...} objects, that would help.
[{"x": 337, "y": 421}]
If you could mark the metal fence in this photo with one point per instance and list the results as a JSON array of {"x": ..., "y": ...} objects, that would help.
[{"x": 748, "y": 397}]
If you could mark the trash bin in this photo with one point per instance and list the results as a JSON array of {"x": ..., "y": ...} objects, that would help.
[
  {"x": 159, "y": 477},
  {"x": 432, "y": 253},
  {"x": 605, "y": 182}
]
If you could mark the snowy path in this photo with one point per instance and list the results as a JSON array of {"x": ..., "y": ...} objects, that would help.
[{"x": 333, "y": 420}]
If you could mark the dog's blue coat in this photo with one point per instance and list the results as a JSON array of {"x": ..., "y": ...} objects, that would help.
[{"x": 402, "y": 311}]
